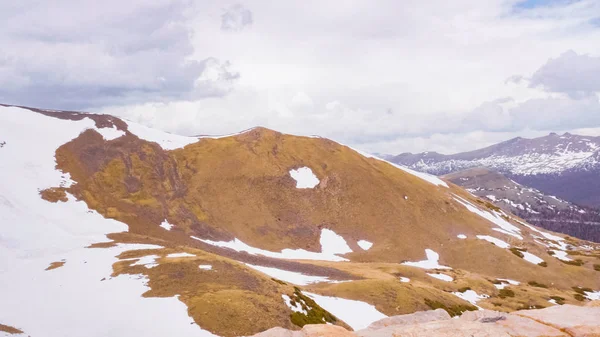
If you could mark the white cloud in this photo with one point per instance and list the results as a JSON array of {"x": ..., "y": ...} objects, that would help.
[{"x": 410, "y": 72}]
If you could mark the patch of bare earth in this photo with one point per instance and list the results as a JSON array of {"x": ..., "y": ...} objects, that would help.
[
  {"x": 54, "y": 194},
  {"x": 9, "y": 329},
  {"x": 56, "y": 264}
]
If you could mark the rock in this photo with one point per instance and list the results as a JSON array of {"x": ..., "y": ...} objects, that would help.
[
  {"x": 417, "y": 317},
  {"x": 325, "y": 330},
  {"x": 312, "y": 330},
  {"x": 593, "y": 304},
  {"x": 278, "y": 332},
  {"x": 443, "y": 328},
  {"x": 512, "y": 324},
  {"x": 577, "y": 321}
]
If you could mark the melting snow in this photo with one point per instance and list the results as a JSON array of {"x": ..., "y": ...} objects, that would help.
[
  {"x": 508, "y": 233},
  {"x": 430, "y": 263},
  {"x": 544, "y": 234},
  {"x": 296, "y": 307},
  {"x": 561, "y": 255},
  {"x": 289, "y": 276},
  {"x": 304, "y": 177},
  {"x": 181, "y": 255},
  {"x": 167, "y": 141},
  {"x": 494, "y": 218},
  {"x": 531, "y": 258},
  {"x": 593, "y": 296},
  {"x": 146, "y": 261},
  {"x": 42, "y": 232},
  {"x": 331, "y": 244},
  {"x": 493, "y": 240},
  {"x": 461, "y": 236},
  {"x": 205, "y": 267},
  {"x": 404, "y": 279},
  {"x": 471, "y": 296},
  {"x": 365, "y": 245},
  {"x": 166, "y": 225},
  {"x": 358, "y": 315},
  {"x": 110, "y": 133},
  {"x": 442, "y": 277}
]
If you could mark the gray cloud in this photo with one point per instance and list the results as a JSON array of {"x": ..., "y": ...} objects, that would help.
[
  {"x": 77, "y": 55},
  {"x": 557, "y": 113},
  {"x": 236, "y": 18},
  {"x": 570, "y": 73}
]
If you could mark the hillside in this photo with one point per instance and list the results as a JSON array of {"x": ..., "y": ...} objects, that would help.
[
  {"x": 530, "y": 204},
  {"x": 112, "y": 228},
  {"x": 561, "y": 165}
]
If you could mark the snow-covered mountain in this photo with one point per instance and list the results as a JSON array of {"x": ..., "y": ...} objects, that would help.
[
  {"x": 564, "y": 165},
  {"x": 110, "y": 228}
]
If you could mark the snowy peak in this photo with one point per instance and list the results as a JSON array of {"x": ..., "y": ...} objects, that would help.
[{"x": 551, "y": 154}]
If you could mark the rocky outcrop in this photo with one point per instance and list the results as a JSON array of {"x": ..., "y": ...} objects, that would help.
[{"x": 557, "y": 321}]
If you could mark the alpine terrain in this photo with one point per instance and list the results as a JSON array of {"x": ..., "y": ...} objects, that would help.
[
  {"x": 562, "y": 165},
  {"x": 110, "y": 228},
  {"x": 550, "y": 181}
]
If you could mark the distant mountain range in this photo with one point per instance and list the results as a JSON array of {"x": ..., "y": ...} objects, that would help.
[{"x": 567, "y": 166}]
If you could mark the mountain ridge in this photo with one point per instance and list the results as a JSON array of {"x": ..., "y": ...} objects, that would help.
[
  {"x": 550, "y": 163},
  {"x": 246, "y": 232}
]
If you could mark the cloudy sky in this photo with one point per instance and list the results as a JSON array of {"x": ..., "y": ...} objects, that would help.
[{"x": 386, "y": 76}]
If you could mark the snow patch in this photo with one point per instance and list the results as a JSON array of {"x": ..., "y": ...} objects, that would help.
[
  {"x": 289, "y": 276},
  {"x": 593, "y": 296},
  {"x": 365, "y": 245},
  {"x": 181, "y": 255},
  {"x": 561, "y": 255},
  {"x": 295, "y": 307},
  {"x": 527, "y": 256},
  {"x": 110, "y": 133},
  {"x": 304, "y": 177},
  {"x": 430, "y": 263},
  {"x": 167, "y": 141},
  {"x": 205, "y": 267},
  {"x": 358, "y": 315},
  {"x": 442, "y": 277},
  {"x": 166, "y": 225},
  {"x": 508, "y": 233},
  {"x": 42, "y": 232},
  {"x": 148, "y": 261},
  {"x": 461, "y": 236},
  {"x": 494, "y": 240},
  {"x": 404, "y": 279},
  {"x": 544, "y": 234},
  {"x": 472, "y": 297},
  {"x": 331, "y": 244},
  {"x": 494, "y": 218}
]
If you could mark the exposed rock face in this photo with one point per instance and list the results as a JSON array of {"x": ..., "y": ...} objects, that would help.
[
  {"x": 416, "y": 318},
  {"x": 576, "y": 321},
  {"x": 558, "y": 321}
]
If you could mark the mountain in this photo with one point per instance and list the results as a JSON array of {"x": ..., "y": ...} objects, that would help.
[
  {"x": 530, "y": 204},
  {"x": 562, "y": 165},
  {"x": 110, "y": 228}
]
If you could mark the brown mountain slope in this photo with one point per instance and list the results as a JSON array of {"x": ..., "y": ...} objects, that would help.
[{"x": 240, "y": 187}]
